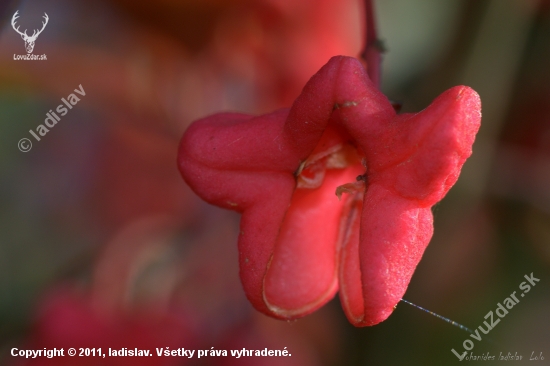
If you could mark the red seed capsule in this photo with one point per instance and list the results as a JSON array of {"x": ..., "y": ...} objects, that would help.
[{"x": 299, "y": 243}]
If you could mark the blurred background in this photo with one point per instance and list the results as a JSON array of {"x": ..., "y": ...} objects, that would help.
[{"x": 103, "y": 245}]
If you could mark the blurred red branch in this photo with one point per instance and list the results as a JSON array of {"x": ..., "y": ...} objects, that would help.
[{"x": 371, "y": 54}]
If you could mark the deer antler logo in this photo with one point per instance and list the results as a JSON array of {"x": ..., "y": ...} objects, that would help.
[{"x": 29, "y": 40}]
